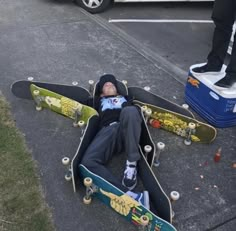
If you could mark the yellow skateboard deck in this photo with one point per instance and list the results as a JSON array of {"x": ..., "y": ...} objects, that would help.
[{"x": 44, "y": 98}]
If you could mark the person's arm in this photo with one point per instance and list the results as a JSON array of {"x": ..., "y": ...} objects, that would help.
[{"x": 129, "y": 101}]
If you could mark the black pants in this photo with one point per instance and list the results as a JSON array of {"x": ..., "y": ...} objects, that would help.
[
  {"x": 223, "y": 15},
  {"x": 116, "y": 138}
]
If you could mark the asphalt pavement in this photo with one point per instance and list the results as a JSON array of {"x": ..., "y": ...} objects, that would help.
[{"x": 55, "y": 41}]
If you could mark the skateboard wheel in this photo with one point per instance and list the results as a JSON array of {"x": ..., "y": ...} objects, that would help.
[
  {"x": 192, "y": 125},
  {"x": 174, "y": 195},
  {"x": 147, "y": 148},
  {"x": 68, "y": 176},
  {"x": 147, "y": 88},
  {"x": 88, "y": 181},
  {"x": 38, "y": 108},
  {"x": 65, "y": 160},
  {"x": 172, "y": 214},
  {"x": 144, "y": 108},
  {"x": 125, "y": 82},
  {"x": 185, "y": 106},
  {"x": 36, "y": 92},
  {"x": 87, "y": 200},
  {"x": 160, "y": 145},
  {"x": 91, "y": 82},
  {"x": 81, "y": 123},
  {"x": 148, "y": 112},
  {"x": 187, "y": 142},
  {"x": 30, "y": 78},
  {"x": 144, "y": 220},
  {"x": 75, "y": 83}
]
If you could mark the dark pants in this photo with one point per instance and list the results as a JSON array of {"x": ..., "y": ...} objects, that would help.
[
  {"x": 116, "y": 138},
  {"x": 223, "y": 15}
]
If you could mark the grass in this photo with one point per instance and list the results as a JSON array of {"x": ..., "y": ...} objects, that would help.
[{"x": 22, "y": 206}]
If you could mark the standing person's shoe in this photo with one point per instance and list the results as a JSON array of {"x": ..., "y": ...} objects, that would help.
[
  {"x": 207, "y": 70},
  {"x": 225, "y": 83},
  {"x": 141, "y": 197},
  {"x": 130, "y": 176}
]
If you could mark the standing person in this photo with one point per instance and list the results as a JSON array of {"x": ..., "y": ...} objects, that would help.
[
  {"x": 120, "y": 130},
  {"x": 223, "y": 15}
]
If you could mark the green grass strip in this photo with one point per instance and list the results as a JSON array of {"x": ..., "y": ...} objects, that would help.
[{"x": 22, "y": 206}]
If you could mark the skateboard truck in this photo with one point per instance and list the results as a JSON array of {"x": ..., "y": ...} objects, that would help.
[
  {"x": 77, "y": 116},
  {"x": 160, "y": 148},
  {"x": 125, "y": 82},
  {"x": 174, "y": 196},
  {"x": 91, "y": 86},
  {"x": 37, "y": 100},
  {"x": 189, "y": 131},
  {"x": 66, "y": 162},
  {"x": 90, "y": 189}
]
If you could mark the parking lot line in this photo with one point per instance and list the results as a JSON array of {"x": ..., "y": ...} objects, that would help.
[{"x": 160, "y": 20}]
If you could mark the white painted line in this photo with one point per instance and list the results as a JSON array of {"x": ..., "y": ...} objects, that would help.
[{"x": 160, "y": 20}]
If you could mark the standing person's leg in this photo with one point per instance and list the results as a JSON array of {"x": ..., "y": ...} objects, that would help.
[
  {"x": 100, "y": 151},
  {"x": 230, "y": 77},
  {"x": 129, "y": 136},
  {"x": 223, "y": 16}
]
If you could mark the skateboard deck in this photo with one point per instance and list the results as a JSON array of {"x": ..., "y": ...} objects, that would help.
[
  {"x": 61, "y": 105},
  {"x": 140, "y": 94},
  {"x": 190, "y": 128},
  {"x": 21, "y": 88},
  {"x": 129, "y": 208}
]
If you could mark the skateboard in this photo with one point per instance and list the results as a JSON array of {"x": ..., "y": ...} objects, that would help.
[
  {"x": 70, "y": 108},
  {"x": 126, "y": 206},
  {"x": 187, "y": 127},
  {"x": 21, "y": 88},
  {"x": 140, "y": 94}
]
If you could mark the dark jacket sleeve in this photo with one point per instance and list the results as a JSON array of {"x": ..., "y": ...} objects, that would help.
[{"x": 129, "y": 101}]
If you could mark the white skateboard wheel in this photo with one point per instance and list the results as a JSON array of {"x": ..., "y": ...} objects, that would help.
[
  {"x": 36, "y": 92},
  {"x": 88, "y": 181},
  {"x": 144, "y": 108},
  {"x": 187, "y": 142},
  {"x": 144, "y": 220},
  {"x": 147, "y": 88},
  {"x": 75, "y": 83},
  {"x": 39, "y": 108},
  {"x": 65, "y": 160},
  {"x": 192, "y": 125},
  {"x": 81, "y": 123},
  {"x": 148, "y": 112},
  {"x": 87, "y": 201},
  {"x": 147, "y": 148},
  {"x": 91, "y": 82},
  {"x": 160, "y": 145},
  {"x": 68, "y": 176},
  {"x": 125, "y": 82},
  {"x": 174, "y": 195},
  {"x": 30, "y": 78},
  {"x": 185, "y": 106}
]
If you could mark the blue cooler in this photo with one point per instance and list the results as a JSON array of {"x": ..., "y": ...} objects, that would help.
[{"x": 217, "y": 107}]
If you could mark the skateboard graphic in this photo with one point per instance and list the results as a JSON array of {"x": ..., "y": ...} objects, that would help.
[
  {"x": 126, "y": 206},
  {"x": 189, "y": 128},
  {"x": 70, "y": 108}
]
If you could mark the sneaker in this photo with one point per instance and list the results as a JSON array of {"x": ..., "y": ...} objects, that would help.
[
  {"x": 130, "y": 177},
  {"x": 142, "y": 198},
  {"x": 225, "y": 83},
  {"x": 206, "y": 69}
]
